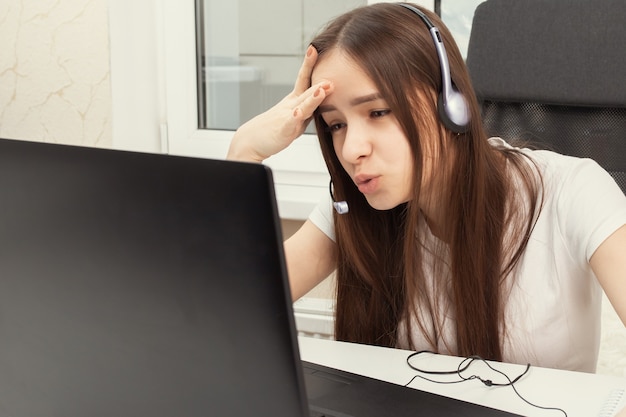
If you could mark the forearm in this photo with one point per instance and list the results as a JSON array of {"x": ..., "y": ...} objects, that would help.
[{"x": 239, "y": 149}]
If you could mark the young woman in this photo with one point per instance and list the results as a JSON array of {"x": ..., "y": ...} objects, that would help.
[{"x": 453, "y": 242}]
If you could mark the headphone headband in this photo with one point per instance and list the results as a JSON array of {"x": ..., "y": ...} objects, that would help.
[{"x": 451, "y": 104}]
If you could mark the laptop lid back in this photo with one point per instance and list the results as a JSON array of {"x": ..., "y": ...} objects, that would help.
[{"x": 138, "y": 284}]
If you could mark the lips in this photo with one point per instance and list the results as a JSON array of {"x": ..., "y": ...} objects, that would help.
[{"x": 367, "y": 184}]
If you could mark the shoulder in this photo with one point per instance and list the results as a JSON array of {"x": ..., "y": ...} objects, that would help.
[
  {"x": 560, "y": 171},
  {"x": 581, "y": 200}
]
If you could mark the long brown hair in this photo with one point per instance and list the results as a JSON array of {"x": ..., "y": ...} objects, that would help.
[{"x": 382, "y": 257}]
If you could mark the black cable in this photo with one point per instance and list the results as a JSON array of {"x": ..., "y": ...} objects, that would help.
[
  {"x": 408, "y": 361},
  {"x": 463, "y": 366},
  {"x": 488, "y": 382}
]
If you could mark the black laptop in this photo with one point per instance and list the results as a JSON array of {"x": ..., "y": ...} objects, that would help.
[{"x": 136, "y": 284}]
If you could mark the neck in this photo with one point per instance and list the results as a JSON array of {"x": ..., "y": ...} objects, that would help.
[{"x": 435, "y": 219}]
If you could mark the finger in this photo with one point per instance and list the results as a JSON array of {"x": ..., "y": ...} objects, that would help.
[
  {"x": 303, "y": 81},
  {"x": 312, "y": 93},
  {"x": 311, "y": 101}
]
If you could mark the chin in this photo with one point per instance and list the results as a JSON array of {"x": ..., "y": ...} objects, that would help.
[{"x": 382, "y": 204}]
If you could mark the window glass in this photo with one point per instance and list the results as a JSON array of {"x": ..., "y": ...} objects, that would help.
[
  {"x": 458, "y": 15},
  {"x": 249, "y": 53}
]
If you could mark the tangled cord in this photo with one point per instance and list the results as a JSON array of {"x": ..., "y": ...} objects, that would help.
[{"x": 463, "y": 366}]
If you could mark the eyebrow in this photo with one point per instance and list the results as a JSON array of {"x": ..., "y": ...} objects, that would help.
[{"x": 354, "y": 102}]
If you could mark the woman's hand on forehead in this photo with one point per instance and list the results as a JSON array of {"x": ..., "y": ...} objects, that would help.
[{"x": 275, "y": 129}]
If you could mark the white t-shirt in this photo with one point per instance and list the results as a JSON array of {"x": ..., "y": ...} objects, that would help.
[{"x": 553, "y": 311}]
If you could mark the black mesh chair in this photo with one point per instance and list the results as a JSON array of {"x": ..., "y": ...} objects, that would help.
[{"x": 553, "y": 73}]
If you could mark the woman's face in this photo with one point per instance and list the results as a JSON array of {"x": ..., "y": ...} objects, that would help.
[{"x": 367, "y": 137}]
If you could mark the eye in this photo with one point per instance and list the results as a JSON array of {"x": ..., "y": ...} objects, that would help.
[
  {"x": 335, "y": 127},
  {"x": 379, "y": 113}
]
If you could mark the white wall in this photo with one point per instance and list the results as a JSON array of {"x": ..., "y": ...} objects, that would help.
[
  {"x": 54, "y": 71},
  {"x": 137, "y": 75}
]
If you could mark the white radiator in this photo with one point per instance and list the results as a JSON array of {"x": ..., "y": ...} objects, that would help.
[{"x": 315, "y": 317}]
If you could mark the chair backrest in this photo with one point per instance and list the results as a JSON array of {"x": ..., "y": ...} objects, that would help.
[{"x": 553, "y": 73}]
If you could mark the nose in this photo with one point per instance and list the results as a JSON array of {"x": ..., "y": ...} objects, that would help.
[{"x": 356, "y": 143}]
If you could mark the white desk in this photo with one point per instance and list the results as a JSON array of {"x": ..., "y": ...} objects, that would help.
[{"x": 579, "y": 394}]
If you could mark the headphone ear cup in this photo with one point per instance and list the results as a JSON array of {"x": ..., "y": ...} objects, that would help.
[{"x": 453, "y": 111}]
